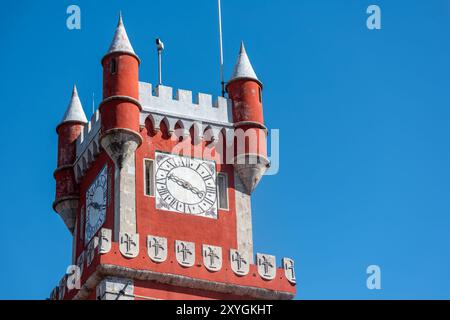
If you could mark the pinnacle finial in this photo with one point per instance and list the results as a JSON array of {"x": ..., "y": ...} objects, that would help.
[
  {"x": 242, "y": 50},
  {"x": 120, "y": 42},
  {"x": 74, "y": 112},
  {"x": 243, "y": 68}
]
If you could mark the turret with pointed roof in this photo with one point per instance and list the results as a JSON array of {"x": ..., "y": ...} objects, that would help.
[
  {"x": 243, "y": 68},
  {"x": 69, "y": 129},
  {"x": 120, "y": 42},
  {"x": 74, "y": 112},
  {"x": 245, "y": 91},
  {"x": 120, "y": 124}
]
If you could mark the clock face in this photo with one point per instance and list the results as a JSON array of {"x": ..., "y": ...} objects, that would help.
[
  {"x": 186, "y": 185},
  {"x": 96, "y": 198}
]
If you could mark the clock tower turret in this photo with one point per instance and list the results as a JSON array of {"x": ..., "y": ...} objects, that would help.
[
  {"x": 245, "y": 91},
  {"x": 67, "y": 197},
  {"x": 120, "y": 137}
]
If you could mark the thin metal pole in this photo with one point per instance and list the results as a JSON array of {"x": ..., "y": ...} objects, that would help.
[
  {"x": 222, "y": 81},
  {"x": 160, "y": 66}
]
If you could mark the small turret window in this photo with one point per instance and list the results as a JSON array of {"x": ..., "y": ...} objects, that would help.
[
  {"x": 149, "y": 180},
  {"x": 113, "y": 66},
  {"x": 222, "y": 188},
  {"x": 260, "y": 95}
]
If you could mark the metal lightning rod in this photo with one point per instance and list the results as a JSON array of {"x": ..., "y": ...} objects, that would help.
[{"x": 222, "y": 81}]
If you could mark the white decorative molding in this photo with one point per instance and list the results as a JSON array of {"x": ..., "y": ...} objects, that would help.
[
  {"x": 289, "y": 271},
  {"x": 201, "y": 108},
  {"x": 105, "y": 270},
  {"x": 266, "y": 266},
  {"x": 105, "y": 236},
  {"x": 113, "y": 288},
  {"x": 157, "y": 248},
  {"x": 185, "y": 253},
  {"x": 212, "y": 257},
  {"x": 129, "y": 244},
  {"x": 239, "y": 262}
]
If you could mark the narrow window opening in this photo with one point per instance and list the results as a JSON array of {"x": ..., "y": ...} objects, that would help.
[
  {"x": 149, "y": 186},
  {"x": 260, "y": 95},
  {"x": 222, "y": 186},
  {"x": 113, "y": 66}
]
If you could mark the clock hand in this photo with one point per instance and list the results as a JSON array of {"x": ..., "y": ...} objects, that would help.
[
  {"x": 97, "y": 206},
  {"x": 186, "y": 185}
]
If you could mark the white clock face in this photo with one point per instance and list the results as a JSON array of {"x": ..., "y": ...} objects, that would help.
[
  {"x": 96, "y": 199},
  {"x": 186, "y": 185}
]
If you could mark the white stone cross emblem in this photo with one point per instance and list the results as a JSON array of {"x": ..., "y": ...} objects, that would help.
[
  {"x": 266, "y": 266},
  {"x": 289, "y": 272},
  {"x": 105, "y": 241},
  {"x": 91, "y": 251},
  {"x": 129, "y": 244},
  {"x": 185, "y": 253},
  {"x": 157, "y": 248},
  {"x": 80, "y": 262},
  {"x": 239, "y": 262},
  {"x": 212, "y": 257}
]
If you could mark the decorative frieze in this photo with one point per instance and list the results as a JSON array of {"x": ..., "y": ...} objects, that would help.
[
  {"x": 239, "y": 262},
  {"x": 105, "y": 237},
  {"x": 212, "y": 257},
  {"x": 289, "y": 272},
  {"x": 266, "y": 266},
  {"x": 129, "y": 244},
  {"x": 185, "y": 253},
  {"x": 157, "y": 248}
]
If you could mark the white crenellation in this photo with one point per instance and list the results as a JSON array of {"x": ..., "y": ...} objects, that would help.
[
  {"x": 87, "y": 146},
  {"x": 161, "y": 105}
]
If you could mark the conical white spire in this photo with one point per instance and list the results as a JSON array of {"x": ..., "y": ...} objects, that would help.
[
  {"x": 120, "y": 42},
  {"x": 243, "y": 68},
  {"x": 74, "y": 111}
]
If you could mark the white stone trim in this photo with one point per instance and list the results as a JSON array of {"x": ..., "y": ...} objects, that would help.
[{"x": 177, "y": 280}]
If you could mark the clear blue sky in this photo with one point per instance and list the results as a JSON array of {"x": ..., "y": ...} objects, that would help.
[{"x": 364, "y": 119}]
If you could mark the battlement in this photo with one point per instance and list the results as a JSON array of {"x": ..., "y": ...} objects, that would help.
[
  {"x": 162, "y": 100},
  {"x": 89, "y": 132},
  {"x": 87, "y": 145}
]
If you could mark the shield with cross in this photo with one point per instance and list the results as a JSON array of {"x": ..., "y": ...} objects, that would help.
[
  {"x": 289, "y": 272},
  {"x": 239, "y": 262},
  {"x": 91, "y": 250},
  {"x": 157, "y": 248},
  {"x": 212, "y": 257},
  {"x": 266, "y": 266},
  {"x": 80, "y": 262},
  {"x": 185, "y": 253},
  {"x": 105, "y": 241},
  {"x": 129, "y": 244}
]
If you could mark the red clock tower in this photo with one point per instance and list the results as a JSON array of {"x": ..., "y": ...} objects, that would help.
[{"x": 156, "y": 189}]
